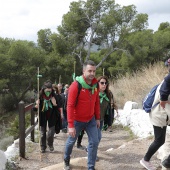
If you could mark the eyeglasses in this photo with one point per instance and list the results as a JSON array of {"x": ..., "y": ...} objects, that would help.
[{"x": 103, "y": 83}]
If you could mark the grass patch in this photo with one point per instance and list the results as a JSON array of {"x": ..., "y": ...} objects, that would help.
[{"x": 131, "y": 134}]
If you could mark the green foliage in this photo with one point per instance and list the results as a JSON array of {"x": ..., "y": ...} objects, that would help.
[
  {"x": 115, "y": 37},
  {"x": 96, "y": 23},
  {"x": 7, "y": 102},
  {"x": 131, "y": 134},
  {"x": 163, "y": 26},
  {"x": 19, "y": 68},
  {"x": 44, "y": 40},
  {"x": 14, "y": 126}
]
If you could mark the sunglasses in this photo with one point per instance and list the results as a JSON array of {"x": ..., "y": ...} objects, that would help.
[{"x": 103, "y": 83}]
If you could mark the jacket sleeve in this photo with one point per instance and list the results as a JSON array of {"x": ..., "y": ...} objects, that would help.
[
  {"x": 165, "y": 89},
  {"x": 97, "y": 107},
  {"x": 59, "y": 101},
  {"x": 72, "y": 95}
]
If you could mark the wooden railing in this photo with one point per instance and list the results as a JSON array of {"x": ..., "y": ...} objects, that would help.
[{"x": 22, "y": 132}]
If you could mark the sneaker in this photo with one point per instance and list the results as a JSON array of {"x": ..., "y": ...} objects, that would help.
[
  {"x": 66, "y": 164},
  {"x": 166, "y": 164},
  {"x": 51, "y": 148},
  {"x": 147, "y": 165},
  {"x": 79, "y": 146},
  {"x": 42, "y": 150}
]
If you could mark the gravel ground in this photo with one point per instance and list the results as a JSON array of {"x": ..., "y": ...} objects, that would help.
[{"x": 118, "y": 150}]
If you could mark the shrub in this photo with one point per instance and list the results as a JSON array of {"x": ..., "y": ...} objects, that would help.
[
  {"x": 134, "y": 87},
  {"x": 14, "y": 126}
]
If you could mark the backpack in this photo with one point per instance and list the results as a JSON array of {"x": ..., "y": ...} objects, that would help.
[{"x": 148, "y": 100}]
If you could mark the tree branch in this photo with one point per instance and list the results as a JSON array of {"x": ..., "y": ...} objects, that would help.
[{"x": 105, "y": 57}]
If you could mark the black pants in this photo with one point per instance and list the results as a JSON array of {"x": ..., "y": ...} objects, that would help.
[
  {"x": 79, "y": 139},
  {"x": 160, "y": 134}
]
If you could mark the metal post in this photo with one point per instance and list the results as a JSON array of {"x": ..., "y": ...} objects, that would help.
[{"x": 21, "y": 129}]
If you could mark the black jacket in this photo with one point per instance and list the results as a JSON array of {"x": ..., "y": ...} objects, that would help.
[
  {"x": 54, "y": 112},
  {"x": 165, "y": 89}
]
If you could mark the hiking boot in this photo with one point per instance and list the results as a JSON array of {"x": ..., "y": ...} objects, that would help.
[
  {"x": 42, "y": 150},
  {"x": 147, "y": 165},
  {"x": 51, "y": 148},
  {"x": 79, "y": 146},
  {"x": 66, "y": 164},
  {"x": 166, "y": 164}
]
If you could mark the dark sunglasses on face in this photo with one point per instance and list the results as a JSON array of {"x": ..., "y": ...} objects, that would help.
[{"x": 103, "y": 83}]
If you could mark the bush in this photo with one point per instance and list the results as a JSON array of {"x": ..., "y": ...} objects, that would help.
[
  {"x": 14, "y": 126},
  {"x": 134, "y": 87},
  {"x": 5, "y": 142},
  {"x": 7, "y": 102}
]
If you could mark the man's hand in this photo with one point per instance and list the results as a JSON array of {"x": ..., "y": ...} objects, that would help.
[
  {"x": 72, "y": 132},
  {"x": 98, "y": 123},
  {"x": 163, "y": 103}
]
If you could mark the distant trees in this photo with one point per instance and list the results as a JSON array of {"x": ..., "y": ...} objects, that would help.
[
  {"x": 19, "y": 67},
  {"x": 100, "y": 23},
  {"x": 115, "y": 37}
]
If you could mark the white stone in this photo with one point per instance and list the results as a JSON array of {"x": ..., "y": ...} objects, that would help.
[{"x": 3, "y": 160}]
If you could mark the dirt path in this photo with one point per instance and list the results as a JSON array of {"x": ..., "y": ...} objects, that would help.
[{"x": 124, "y": 153}]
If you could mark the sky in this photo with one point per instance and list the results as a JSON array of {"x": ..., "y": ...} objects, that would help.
[{"x": 22, "y": 19}]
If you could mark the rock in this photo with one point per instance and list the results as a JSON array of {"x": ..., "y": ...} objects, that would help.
[
  {"x": 129, "y": 105},
  {"x": 3, "y": 160}
]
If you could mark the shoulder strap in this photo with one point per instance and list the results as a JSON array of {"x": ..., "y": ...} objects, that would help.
[{"x": 78, "y": 93}]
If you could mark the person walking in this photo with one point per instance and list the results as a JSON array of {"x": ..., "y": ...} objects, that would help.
[
  {"x": 160, "y": 118},
  {"x": 64, "y": 98},
  {"x": 83, "y": 112},
  {"x": 105, "y": 104},
  {"x": 49, "y": 105}
]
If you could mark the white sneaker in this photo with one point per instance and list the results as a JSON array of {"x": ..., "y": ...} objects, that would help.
[{"x": 147, "y": 164}]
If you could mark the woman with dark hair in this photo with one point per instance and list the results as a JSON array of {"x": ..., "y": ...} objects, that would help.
[
  {"x": 49, "y": 104},
  {"x": 105, "y": 96}
]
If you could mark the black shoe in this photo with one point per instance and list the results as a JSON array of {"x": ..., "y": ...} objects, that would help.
[
  {"x": 66, "y": 164},
  {"x": 51, "y": 148},
  {"x": 79, "y": 146},
  {"x": 42, "y": 150},
  {"x": 166, "y": 163}
]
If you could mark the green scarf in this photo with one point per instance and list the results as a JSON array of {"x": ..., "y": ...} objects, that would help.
[
  {"x": 103, "y": 96},
  {"x": 84, "y": 85},
  {"x": 46, "y": 105}
]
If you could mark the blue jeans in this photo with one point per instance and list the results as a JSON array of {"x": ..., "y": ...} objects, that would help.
[
  {"x": 64, "y": 121},
  {"x": 92, "y": 133},
  {"x": 100, "y": 130}
]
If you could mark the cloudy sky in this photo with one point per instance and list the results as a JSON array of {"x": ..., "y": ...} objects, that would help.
[{"x": 22, "y": 19}]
